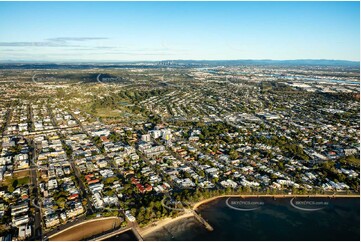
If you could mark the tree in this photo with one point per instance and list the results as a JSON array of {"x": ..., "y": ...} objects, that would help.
[
  {"x": 110, "y": 180},
  {"x": 61, "y": 202},
  {"x": 140, "y": 218},
  {"x": 351, "y": 160},
  {"x": 233, "y": 154},
  {"x": 15, "y": 183}
]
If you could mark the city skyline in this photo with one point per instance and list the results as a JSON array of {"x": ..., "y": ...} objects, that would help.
[{"x": 144, "y": 31}]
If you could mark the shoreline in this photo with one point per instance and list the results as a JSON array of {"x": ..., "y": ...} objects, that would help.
[
  {"x": 189, "y": 212},
  {"x": 161, "y": 223}
]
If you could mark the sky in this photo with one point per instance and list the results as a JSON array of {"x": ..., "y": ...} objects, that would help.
[{"x": 142, "y": 31}]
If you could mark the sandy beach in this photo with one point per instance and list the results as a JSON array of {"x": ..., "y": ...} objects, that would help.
[
  {"x": 159, "y": 224},
  {"x": 86, "y": 229}
]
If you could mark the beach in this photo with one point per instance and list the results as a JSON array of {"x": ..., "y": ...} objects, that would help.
[
  {"x": 86, "y": 229},
  {"x": 161, "y": 223}
]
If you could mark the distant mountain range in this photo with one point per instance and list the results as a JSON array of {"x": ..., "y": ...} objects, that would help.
[
  {"x": 320, "y": 62},
  {"x": 173, "y": 63}
]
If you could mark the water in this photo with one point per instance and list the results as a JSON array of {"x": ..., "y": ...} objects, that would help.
[
  {"x": 126, "y": 236},
  {"x": 310, "y": 79},
  {"x": 332, "y": 219}
]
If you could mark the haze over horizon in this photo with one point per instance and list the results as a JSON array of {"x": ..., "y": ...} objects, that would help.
[
  {"x": 248, "y": 61},
  {"x": 145, "y": 31}
]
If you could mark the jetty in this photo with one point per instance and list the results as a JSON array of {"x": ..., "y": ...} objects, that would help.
[
  {"x": 137, "y": 234},
  {"x": 202, "y": 221}
]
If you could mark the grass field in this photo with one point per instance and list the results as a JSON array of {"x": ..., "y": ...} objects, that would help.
[{"x": 19, "y": 179}]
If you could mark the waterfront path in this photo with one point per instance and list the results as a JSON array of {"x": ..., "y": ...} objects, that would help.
[{"x": 119, "y": 231}]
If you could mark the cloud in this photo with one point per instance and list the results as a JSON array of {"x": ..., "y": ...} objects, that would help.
[
  {"x": 52, "y": 42},
  {"x": 84, "y": 47},
  {"x": 65, "y": 39},
  {"x": 136, "y": 53},
  {"x": 33, "y": 44},
  {"x": 104, "y": 47}
]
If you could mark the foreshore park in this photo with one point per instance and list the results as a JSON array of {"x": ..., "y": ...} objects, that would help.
[{"x": 89, "y": 151}]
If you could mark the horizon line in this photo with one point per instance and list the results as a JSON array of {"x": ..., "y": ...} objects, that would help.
[{"x": 167, "y": 60}]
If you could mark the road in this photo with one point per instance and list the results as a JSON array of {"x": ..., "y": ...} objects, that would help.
[
  {"x": 61, "y": 227},
  {"x": 83, "y": 189},
  {"x": 37, "y": 232}
]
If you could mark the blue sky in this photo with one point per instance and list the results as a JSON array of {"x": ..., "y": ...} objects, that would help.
[{"x": 127, "y": 31}]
